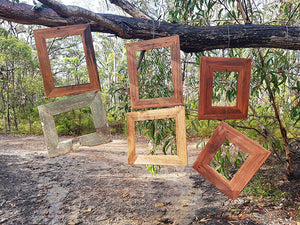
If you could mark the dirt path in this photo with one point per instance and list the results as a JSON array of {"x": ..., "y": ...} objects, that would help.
[{"x": 95, "y": 185}]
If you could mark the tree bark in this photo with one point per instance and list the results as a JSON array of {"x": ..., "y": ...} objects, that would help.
[{"x": 192, "y": 38}]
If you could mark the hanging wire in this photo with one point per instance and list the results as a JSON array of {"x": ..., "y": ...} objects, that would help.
[
  {"x": 228, "y": 49},
  {"x": 153, "y": 30}
]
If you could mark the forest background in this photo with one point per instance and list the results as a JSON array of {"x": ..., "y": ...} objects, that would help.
[{"x": 274, "y": 111}]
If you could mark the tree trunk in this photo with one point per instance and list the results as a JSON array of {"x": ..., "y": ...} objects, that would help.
[{"x": 7, "y": 104}]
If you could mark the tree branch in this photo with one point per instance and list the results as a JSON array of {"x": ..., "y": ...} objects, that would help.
[
  {"x": 130, "y": 9},
  {"x": 192, "y": 38},
  {"x": 71, "y": 10}
]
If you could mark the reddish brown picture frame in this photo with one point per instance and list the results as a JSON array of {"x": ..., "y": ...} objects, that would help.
[
  {"x": 209, "y": 65},
  {"x": 84, "y": 31},
  {"x": 257, "y": 156},
  {"x": 181, "y": 159},
  {"x": 177, "y": 98}
]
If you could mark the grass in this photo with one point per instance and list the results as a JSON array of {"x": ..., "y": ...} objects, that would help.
[{"x": 265, "y": 188}]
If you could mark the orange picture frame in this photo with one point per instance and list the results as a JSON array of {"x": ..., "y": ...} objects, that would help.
[
  {"x": 177, "y": 98},
  {"x": 181, "y": 159},
  {"x": 257, "y": 156},
  {"x": 209, "y": 65},
  {"x": 84, "y": 31}
]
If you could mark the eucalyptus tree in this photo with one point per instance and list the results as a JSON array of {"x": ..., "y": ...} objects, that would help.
[{"x": 18, "y": 78}]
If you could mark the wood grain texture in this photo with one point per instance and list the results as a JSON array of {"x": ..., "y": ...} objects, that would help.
[
  {"x": 209, "y": 65},
  {"x": 257, "y": 156},
  {"x": 181, "y": 159},
  {"x": 84, "y": 31},
  {"x": 48, "y": 111},
  {"x": 177, "y": 98}
]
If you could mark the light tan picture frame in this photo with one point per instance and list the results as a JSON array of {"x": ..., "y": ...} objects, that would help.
[
  {"x": 48, "y": 111},
  {"x": 209, "y": 65},
  {"x": 257, "y": 156},
  {"x": 177, "y": 98},
  {"x": 181, "y": 159},
  {"x": 84, "y": 31}
]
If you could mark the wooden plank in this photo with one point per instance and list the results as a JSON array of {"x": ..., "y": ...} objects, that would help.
[
  {"x": 257, "y": 156},
  {"x": 177, "y": 98},
  {"x": 69, "y": 104},
  {"x": 209, "y": 65},
  {"x": 85, "y": 32},
  {"x": 181, "y": 159}
]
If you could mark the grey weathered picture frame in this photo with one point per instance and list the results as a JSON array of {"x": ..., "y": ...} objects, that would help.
[{"x": 48, "y": 111}]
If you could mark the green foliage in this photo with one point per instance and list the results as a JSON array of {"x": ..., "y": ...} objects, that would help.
[
  {"x": 39, "y": 5},
  {"x": 196, "y": 13},
  {"x": 224, "y": 88},
  {"x": 153, "y": 169},
  {"x": 67, "y": 61},
  {"x": 19, "y": 85},
  {"x": 155, "y": 77},
  {"x": 162, "y": 135},
  {"x": 30, "y": 128},
  {"x": 227, "y": 160},
  {"x": 3, "y": 32},
  {"x": 262, "y": 188},
  {"x": 76, "y": 122},
  {"x": 228, "y": 163},
  {"x": 203, "y": 128}
]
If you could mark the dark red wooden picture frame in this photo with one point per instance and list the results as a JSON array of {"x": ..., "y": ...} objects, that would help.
[
  {"x": 257, "y": 156},
  {"x": 177, "y": 98},
  {"x": 84, "y": 31},
  {"x": 209, "y": 65}
]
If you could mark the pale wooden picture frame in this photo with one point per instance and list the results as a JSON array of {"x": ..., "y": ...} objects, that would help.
[
  {"x": 181, "y": 159},
  {"x": 209, "y": 65},
  {"x": 48, "y": 111},
  {"x": 177, "y": 98},
  {"x": 257, "y": 156},
  {"x": 84, "y": 31}
]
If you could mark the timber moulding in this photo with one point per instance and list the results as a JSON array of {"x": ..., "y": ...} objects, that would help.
[
  {"x": 257, "y": 156},
  {"x": 84, "y": 31},
  {"x": 48, "y": 111},
  {"x": 209, "y": 65},
  {"x": 177, "y": 98},
  {"x": 181, "y": 159}
]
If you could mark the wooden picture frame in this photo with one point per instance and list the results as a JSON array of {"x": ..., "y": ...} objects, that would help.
[
  {"x": 181, "y": 159},
  {"x": 257, "y": 156},
  {"x": 91, "y": 99},
  {"x": 84, "y": 31},
  {"x": 177, "y": 98},
  {"x": 209, "y": 65}
]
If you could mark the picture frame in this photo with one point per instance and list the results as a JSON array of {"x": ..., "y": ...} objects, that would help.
[
  {"x": 177, "y": 98},
  {"x": 209, "y": 65},
  {"x": 84, "y": 31},
  {"x": 181, "y": 159},
  {"x": 48, "y": 111},
  {"x": 257, "y": 156}
]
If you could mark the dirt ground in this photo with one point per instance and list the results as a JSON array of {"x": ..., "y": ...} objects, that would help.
[{"x": 95, "y": 185}]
